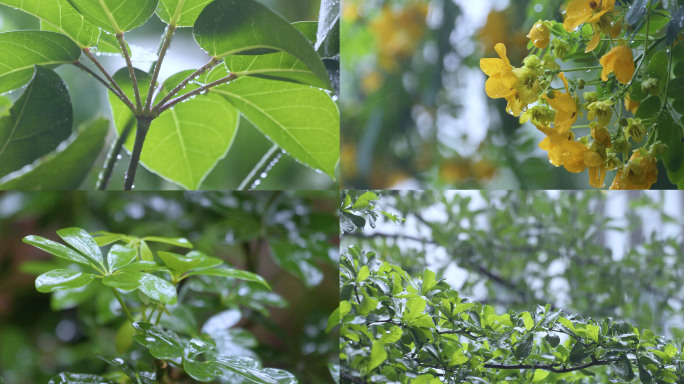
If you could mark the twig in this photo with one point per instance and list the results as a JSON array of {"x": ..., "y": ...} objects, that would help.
[
  {"x": 170, "y": 29},
  {"x": 113, "y": 156},
  {"x": 109, "y": 78},
  {"x": 131, "y": 70},
  {"x": 183, "y": 83},
  {"x": 197, "y": 91}
]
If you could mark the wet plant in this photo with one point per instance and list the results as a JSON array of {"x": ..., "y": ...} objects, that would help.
[{"x": 276, "y": 75}]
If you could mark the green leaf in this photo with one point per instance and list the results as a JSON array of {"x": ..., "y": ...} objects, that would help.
[
  {"x": 553, "y": 339},
  {"x": 429, "y": 281},
  {"x": 120, "y": 256},
  {"x": 56, "y": 249},
  {"x": 301, "y": 120},
  {"x": 648, "y": 108},
  {"x": 158, "y": 289},
  {"x": 333, "y": 320},
  {"x": 364, "y": 200},
  {"x": 78, "y": 378},
  {"x": 82, "y": 242},
  {"x": 206, "y": 262},
  {"x": 39, "y": 120},
  {"x": 21, "y": 50},
  {"x": 177, "y": 241},
  {"x": 527, "y": 319},
  {"x": 593, "y": 331},
  {"x": 162, "y": 344},
  {"x": 145, "y": 252},
  {"x": 250, "y": 369},
  {"x": 364, "y": 272},
  {"x": 124, "y": 280},
  {"x": 674, "y": 27},
  {"x": 67, "y": 166},
  {"x": 524, "y": 347},
  {"x": 458, "y": 358},
  {"x": 183, "y": 12},
  {"x": 201, "y": 371},
  {"x": 636, "y": 11},
  {"x": 116, "y": 16},
  {"x": 391, "y": 336},
  {"x": 232, "y": 273},
  {"x": 178, "y": 263},
  {"x": 200, "y": 345},
  {"x": 58, "y": 279},
  {"x": 539, "y": 375},
  {"x": 62, "y": 17},
  {"x": 278, "y": 65},
  {"x": 228, "y": 27},
  {"x": 328, "y": 33},
  {"x": 377, "y": 356}
]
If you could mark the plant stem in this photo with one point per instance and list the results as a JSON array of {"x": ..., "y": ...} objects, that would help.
[
  {"x": 170, "y": 29},
  {"x": 131, "y": 70},
  {"x": 581, "y": 69},
  {"x": 98, "y": 78},
  {"x": 262, "y": 165},
  {"x": 113, "y": 156},
  {"x": 143, "y": 125},
  {"x": 197, "y": 91},
  {"x": 123, "y": 305},
  {"x": 183, "y": 83},
  {"x": 159, "y": 315},
  {"x": 109, "y": 78}
]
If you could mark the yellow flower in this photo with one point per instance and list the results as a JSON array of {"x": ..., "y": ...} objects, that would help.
[
  {"x": 620, "y": 61},
  {"x": 640, "y": 173},
  {"x": 565, "y": 105},
  {"x": 597, "y": 168},
  {"x": 398, "y": 33},
  {"x": 563, "y": 149},
  {"x": 586, "y": 11},
  {"x": 502, "y": 81},
  {"x": 630, "y": 104},
  {"x": 539, "y": 34}
]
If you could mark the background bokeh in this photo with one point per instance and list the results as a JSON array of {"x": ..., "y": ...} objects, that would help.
[
  {"x": 415, "y": 114},
  {"x": 89, "y": 99},
  {"x": 291, "y": 239}
]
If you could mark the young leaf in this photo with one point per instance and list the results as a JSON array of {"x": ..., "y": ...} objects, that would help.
[
  {"x": 82, "y": 242},
  {"x": 228, "y": 27},
  {"x": 62, "y": 279},
  {"x": 333, "y": 320},
  {"x": 232, "y": 273},
  {"x": 158, "y": 289},
  {"x": 201, "y": 370},
  {"x": 377, "y": 356},
  {"x": 66, "y": 167},
  {"x": 162, "y": 344},
  {"x": 21, "y": 50},
  {"x": 39, "y": 120},
  {"x": 124, "y": 279},
  {"x": 56, "y": 249},
  {"x": 145, "y": 252},
  {"x": 301, "y": 120},
  {"x": 206, "y": 262},
  {"x": 78, "y": 378},
  {"x": 116, "y": 16},
  {"x": 62, "y": 17},
  {"x": 177, "y": 241},
  {"x": 178, "y": 263},
  {"x": 183, "y": 12},
  {"x": 250, "y": 369},
  {"x": 120, "y": 256}
]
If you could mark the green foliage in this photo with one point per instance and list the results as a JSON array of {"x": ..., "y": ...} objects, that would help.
[
  {"x": 124, "y": 271},
  {"x": 178, "y": 130},
  {"x": 424, "y": 332},
  {"x": 358, "y": 207}
]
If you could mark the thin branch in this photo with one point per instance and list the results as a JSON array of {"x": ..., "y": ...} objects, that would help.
[
  {"x": 97, "y": 77},
  {"x": 131, "y": 70},
  {"x": 113, "y": 156},
  {"x": 185, "y": 82},
  {"x": 170, "y": 29},
  {"x": 143, "y": 125},
  {"x": 109, "y": 78},
  {"x": 552, "y": 367},
  {"x": 196, "y": 92},
  {"x": 264, "y": 165},
  {"x": 123, "y": 305},
  {"x": 345, "y": 377}
]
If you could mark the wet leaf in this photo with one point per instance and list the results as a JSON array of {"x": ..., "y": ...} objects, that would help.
[
  {"x": 177, "y": 241},
  {"x": 301, "y": 120},
  {"x": 184, "y": 12},
  {"x": 78, "y": 378},
  {"x": 201, "y": 371},
  {"x": 120, "y": 256},
  {"x": 62, "y": 279},
  {"x": 674, "y": 27},
  {"x": 228, "y": 27},
  {"x": 161, "y": 343},
  {"x": 251, "y": 370},
  {"x": 81, "y": 240},
  {"x": 116, "y": 16},
  {"x": 38, "y": 121},
  {"x": 178, "y": 263},
  {"x": 232, "y": 273},
  {"x": 67, "y": 167},
  {"x": 56, "y": 249}
]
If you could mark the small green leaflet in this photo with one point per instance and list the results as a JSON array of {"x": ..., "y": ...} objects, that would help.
[
  {"x": 59, "y": 279},
  {"x": 377, "y": 356}
]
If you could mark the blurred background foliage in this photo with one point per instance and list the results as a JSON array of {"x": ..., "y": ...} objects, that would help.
[
  {"x": 415, "y": 114},
  {"x": 600, "y": 254},
  {"x": 89, "y": 99},
  {"x": 289, "y": 238}
]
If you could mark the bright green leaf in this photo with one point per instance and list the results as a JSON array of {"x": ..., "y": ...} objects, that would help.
[
  {"x": 62, "y": 279},
  {"x": 158, "y": 289},
  {"x": 364, "y": 272},
  {"x": 177, "y": 241},
  {"x": 39, "y": 120},
  {"x": 251, "y": 370},
  {"x": 82, "y": 242},
  {"x": 527, "y": 319},
  {"x": 391, "y": 336},
  {"x": 66, "y": 167},
  {"x": 62, "y": 17},
  {"x": 429, "y": 281},
  {"x": 201, "y": 370},
  {"x": 232, "y": 273},
  {"x": 228, "y": 27},
  {"x": 56, "y": 249},
  {"x": 540, "y": 375},
  {"x": 364, "y": 200},
  {"x": 183, "y": 12},
  {"x": 178, "y": 263},
  {"x": 377, "y": 356},
  {"x": 333, "y": 320},
  {"x": 458, "y": 358},
  {"x": 116, "y": 16},
  {"x": 120, "y": 256},
  {"x": 301, "y": 120},
  {"x": 124, "y": 280},
  {"x": 145, "y": 252},
  {"x": 593, "y": 331}
]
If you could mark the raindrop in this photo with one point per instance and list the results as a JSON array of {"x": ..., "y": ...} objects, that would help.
[
  {"x": 118, "y": 157},
  {"x": 263, "y": 175}
]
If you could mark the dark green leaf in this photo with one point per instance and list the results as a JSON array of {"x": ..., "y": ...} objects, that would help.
[
  {"x": 553, "y": 339},
  {"x": 162, "y": 344},
  {"x": 21, "y": 50},
  {"x": 228, "y": 27},
  {"x": 250, "y": 369},
  {"x": 623, "y": 368},
  {"x": 328, "y": 34},
  {"x": 675, "y": 26},
  {"x": 524, "y": 347},
  {"x": 232, "y": 273},
  {"x": 301, "y": 120},
  {"x": 39, "y": 120},
  {"x": 81, "y": 240},
  {"x": 78, "y": 378},
  {"x": 120, "y": 256},
  {"x": 56, "y": 249},
  {"x": 116, "y": 16},
  {"x": 648, "y": 108},
  {"x": 66, "y": 167},
  {"x": 62, "y": 279},
  {"x": 636, "y": 12},
  {"x": 201, "y": 371}
]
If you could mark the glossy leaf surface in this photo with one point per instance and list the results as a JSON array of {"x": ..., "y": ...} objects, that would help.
[
  {"x": 232, "y": 273},
  {"x": 38, "y": 121},
  {"x": 184, "y": 11},
  {"x": 78, "y": 378},
  {"x": 228, "y": 27},
  {"x": 161, "y": 343},
  {"x": 252, "y": 370},
  {"x": 82, "y": 242},
  {"x": 201, "y": 370},
  {"x": 301, "y": 120},
  {"x": 120, "y": 256},
  {"x": 116, "y": 16},
  {"x": 56, "y": 249},
  {"x": 67, "y": 167},
  {"x": 62, "y": 17},
  {"x": 62, "y": 279}
]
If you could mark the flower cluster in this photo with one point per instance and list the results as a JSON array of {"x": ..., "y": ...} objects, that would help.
[{"x": 543, "y": 93}]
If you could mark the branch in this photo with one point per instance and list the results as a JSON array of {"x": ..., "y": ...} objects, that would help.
[
  {"x": 143, "y": 125},
  {"x": 109, "y": 78},
  {"x": 182, "y": 84},
  {"x": 170, "y": 29},
  {"x": 264, "y": 165},
  {"x": 131, "y": 70},
  {"x": 552, "y": 367},
  {"x": 196, "y": 92},
  {"x": 345, "y": 377},
  {"x": 113, "y": 156}
]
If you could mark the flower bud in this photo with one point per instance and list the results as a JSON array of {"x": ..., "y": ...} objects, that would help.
[
  {"x": 590, "y": 97},
  {"x": 635, "y": 129},
  {"x": 658, "y": 148},
  {"x": 651, "y": 85},
  {"x": 620, "y": 143},
  {"x": 560, "y": 48},
  {"x": 539, "y": 35}
]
